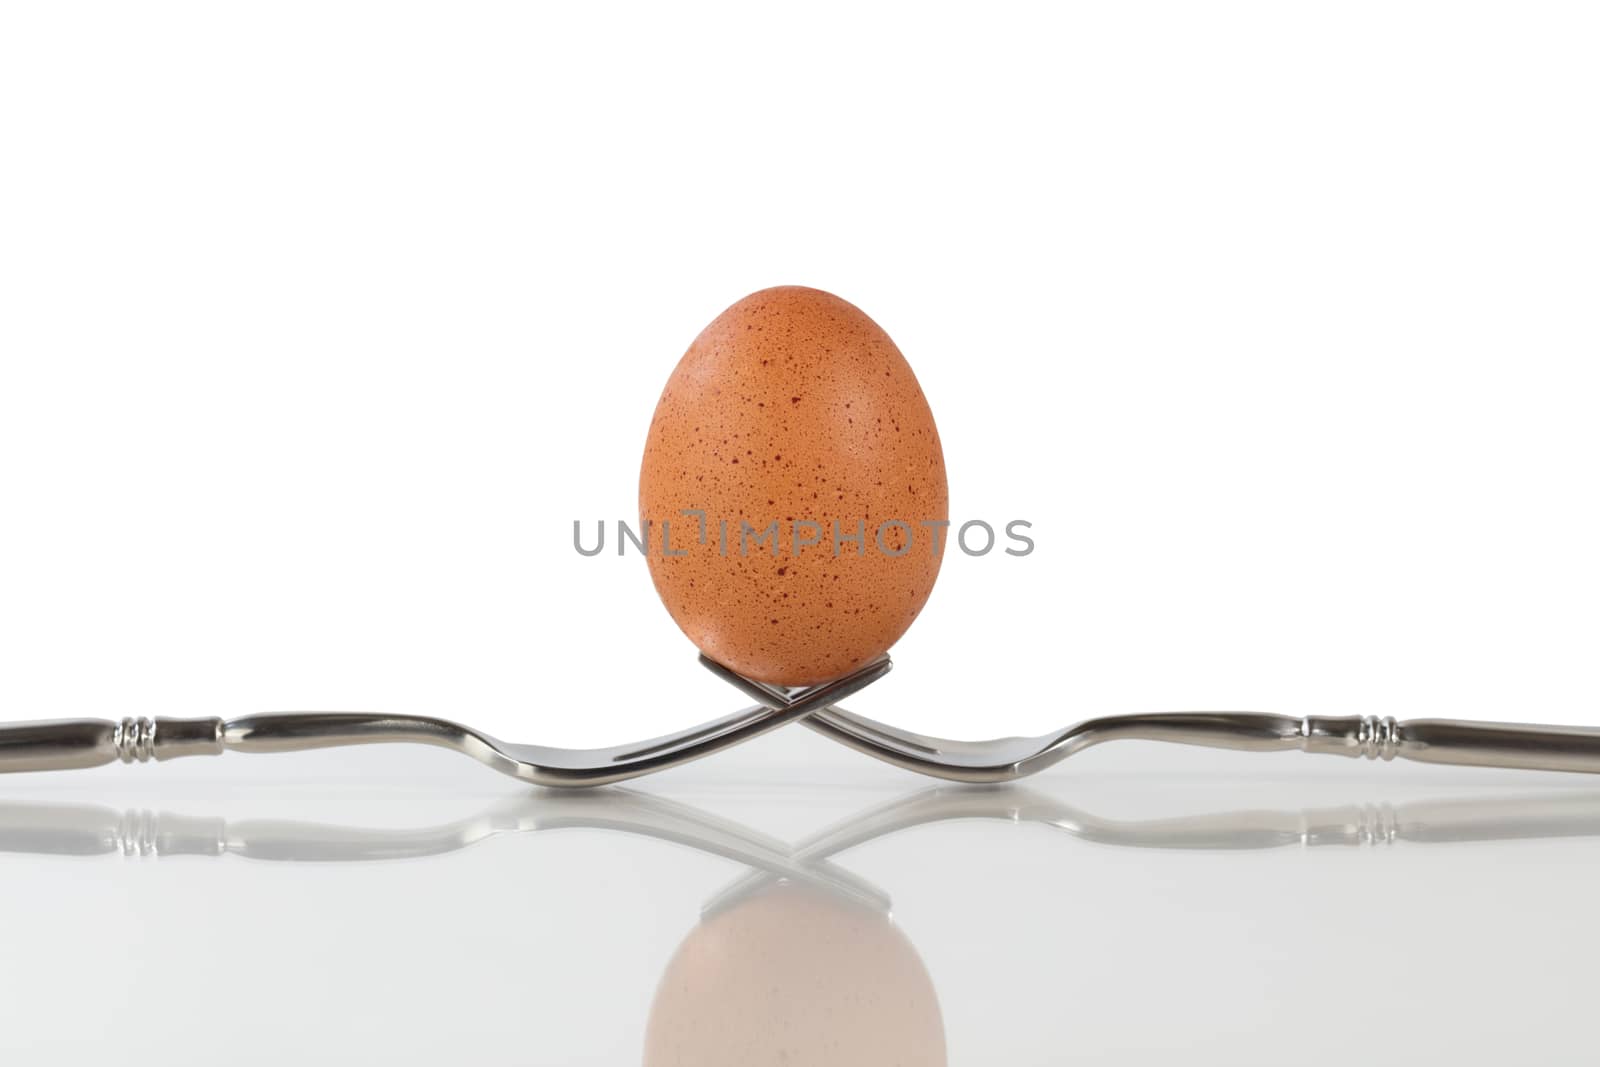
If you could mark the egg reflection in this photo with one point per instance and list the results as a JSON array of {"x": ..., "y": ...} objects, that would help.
[{"x": 796, "y": 976}]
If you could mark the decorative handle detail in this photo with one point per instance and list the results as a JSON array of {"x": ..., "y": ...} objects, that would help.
[
  {"x": 1379, "y": 738},
  {"x": 134, "y": 739},
  {"x": 1353, "y": 735},
  {"x": 72, "y": 744}
]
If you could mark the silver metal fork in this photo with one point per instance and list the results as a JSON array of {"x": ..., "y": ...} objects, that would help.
[
  {"x": 1456, "y": 741},
  {"x": 63, "y": 745},
  {"x": 71, "y": 744}
]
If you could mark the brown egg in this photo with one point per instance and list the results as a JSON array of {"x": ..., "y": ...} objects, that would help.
[
  {"x": 799, "y": 978},
  {"x": 793, "y": 489}
]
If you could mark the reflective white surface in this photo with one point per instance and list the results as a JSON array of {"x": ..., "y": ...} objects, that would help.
[{"x": 1137, "y": 905}]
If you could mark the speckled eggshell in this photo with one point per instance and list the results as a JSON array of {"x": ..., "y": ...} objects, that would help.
[{"x": 793, "y": 406}]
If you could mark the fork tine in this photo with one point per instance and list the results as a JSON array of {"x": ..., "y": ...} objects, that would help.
[
  {"x": 997, "y": 760},
  {"x": 739, "y": 727}
]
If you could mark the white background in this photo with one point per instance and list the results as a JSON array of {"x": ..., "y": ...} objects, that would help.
[{"x": 321, "y": 322}]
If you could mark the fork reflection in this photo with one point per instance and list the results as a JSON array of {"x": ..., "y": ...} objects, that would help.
[
  {"x": 64, "y": 829},
  {"x": 799, "y": 961}
]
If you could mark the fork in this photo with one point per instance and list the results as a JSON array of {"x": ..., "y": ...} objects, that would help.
[
  {"x": 71, "y": 744},
  {"x": 1453, "y": 741},
  {"x": 64, "y": 745}
]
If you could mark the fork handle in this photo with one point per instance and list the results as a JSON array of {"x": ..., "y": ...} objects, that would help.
[
  {"x": 70, "y": 744},
  {"x": 1456, "y": 741}
]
